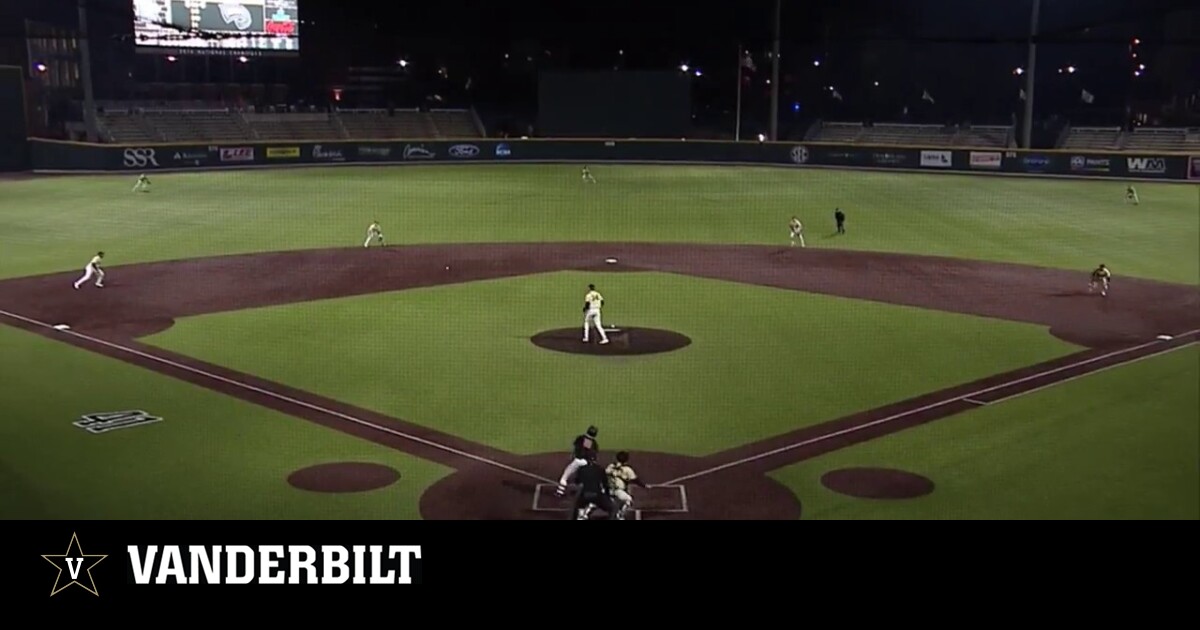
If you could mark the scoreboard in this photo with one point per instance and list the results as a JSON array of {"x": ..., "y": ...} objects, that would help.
[{"x": 206, "y": 27}]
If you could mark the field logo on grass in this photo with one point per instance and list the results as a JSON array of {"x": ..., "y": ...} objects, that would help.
[
  {"x": 98, "y": 423},
  {"x": 74, "y": 568},
  {"x": 273, "y": 564}
]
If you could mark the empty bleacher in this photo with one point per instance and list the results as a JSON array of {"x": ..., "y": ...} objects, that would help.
[
  {"x": 137, "y": 122},
  {"x": 378, "y": 123},
  {"x": 1154, "y": 139},
  {"x": 886, "y": 134},
  {"x": 1095, "y": 138}
]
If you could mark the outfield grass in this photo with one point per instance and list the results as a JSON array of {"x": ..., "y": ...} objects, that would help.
[
  {"x": 1120, "y": 444},
  {"x": 211, "y": 457},
  {"x": 55, "y": 224},
  {"x": 763, "y": 361}
]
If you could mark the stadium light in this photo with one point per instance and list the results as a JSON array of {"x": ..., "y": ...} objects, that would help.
[
  {"x": 684, "y": 67},
  {"x": 171, "y": 58},
  {"x": 1019, "y": 71},
  {"x": 699, "y": 74},
  {"x": 403, "y": 63},
  {"x": 1071, "y": 69},
  {"x": 244, "y": 59},
  {"x": 1136, "y": 41},
  {"x": 1141, "y": 66},
  {"x": 816, "y": 63},
  {"x": 1137, "y": 73},
  {"x": 40, "y": 67},
  {"x": 876, "y": 84}
]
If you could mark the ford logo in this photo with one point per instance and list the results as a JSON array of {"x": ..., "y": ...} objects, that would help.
[{"x": 464, "y": 150}]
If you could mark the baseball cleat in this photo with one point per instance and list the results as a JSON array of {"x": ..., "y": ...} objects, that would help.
[{"x": 603, "y": 341}]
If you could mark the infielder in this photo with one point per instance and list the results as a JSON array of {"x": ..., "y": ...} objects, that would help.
[
  {"x": 620, "y": 475},
  {"x": 374, "y": 233},
  {"x": 92, "y": 269},
  {"x": 591, "y": 313},
  {"x": 142, "y": 184},
  {"x": 584, "y": 446},
  {"x": 1131, "y": 195},
  {"x": 797, "y": 229},
  {"x": 1100, "y": 277},
  {"x": 587, "y": 175}
]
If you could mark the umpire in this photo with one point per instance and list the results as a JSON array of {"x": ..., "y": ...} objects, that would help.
[{"x": 594, "y": 490}]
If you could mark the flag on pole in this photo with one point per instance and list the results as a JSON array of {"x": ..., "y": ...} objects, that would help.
[
  {"x": 1087, "y": 97},
  {"x": 927, "y": 97},
  {"x": 837, "y": 95},
  {"x": 1022, "y": 93}
]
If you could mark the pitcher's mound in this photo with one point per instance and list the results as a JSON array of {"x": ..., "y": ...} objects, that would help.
[{"x": 621, "y": 342}]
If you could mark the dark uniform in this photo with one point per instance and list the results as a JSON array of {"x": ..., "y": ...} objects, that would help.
[
  {"x": 840, "y": 217},
  {"x": 585, "y": 449},
  {"x": 594, "y": 489}
]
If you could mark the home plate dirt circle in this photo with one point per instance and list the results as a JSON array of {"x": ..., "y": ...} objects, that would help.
[
  {"x": 622, "y": 341},
  {"x": 484, "y": 492},
  {"x": 877, "y": 483},
  {"x": 344, "y": 477}
]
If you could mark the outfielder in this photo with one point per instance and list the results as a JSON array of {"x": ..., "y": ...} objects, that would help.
[
  {"x": 587, "y": 175},
  {"x": 92, "y": 269},
  {"x": 584, "y": 446},
  {"x": 1100, "y": 276},
  {"x": 797, "y": 231},
  {"x": 374, "y": 233},
  {"x": 591, "y": 313},
  {"x": 142, "y": 184},
  {"x": 1131, "y": 195},
  {"x": 620, "y": 476}
]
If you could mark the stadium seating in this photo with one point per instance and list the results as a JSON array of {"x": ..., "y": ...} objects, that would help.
[
  {"x": 1095, "y": 138},
  {"x": 913, "y": 135},
  {"x": 136, "y": 122},
  {"x": 1154, "y": 139}
]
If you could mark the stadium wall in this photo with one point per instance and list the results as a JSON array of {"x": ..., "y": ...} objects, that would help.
[{"x": 54, "y": 156}]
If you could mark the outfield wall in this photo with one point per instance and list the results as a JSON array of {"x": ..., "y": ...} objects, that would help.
[{"x": 58, "y": 156}]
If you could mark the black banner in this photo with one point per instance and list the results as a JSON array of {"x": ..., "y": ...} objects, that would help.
[{"x": 63, "y": 156}]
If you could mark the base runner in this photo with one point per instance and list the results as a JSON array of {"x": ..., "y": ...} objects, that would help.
[{"x": 1100, "y": 277}]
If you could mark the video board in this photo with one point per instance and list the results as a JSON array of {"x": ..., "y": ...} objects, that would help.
[{"x": 236, "y": 27}]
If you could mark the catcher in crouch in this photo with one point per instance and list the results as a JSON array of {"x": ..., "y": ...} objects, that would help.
[{"x": 620, "y": 477}]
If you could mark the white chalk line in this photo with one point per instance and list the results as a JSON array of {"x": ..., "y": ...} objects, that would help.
[
  {"x": 365, "y": 423},
  {"x": 961, "y": 398}
]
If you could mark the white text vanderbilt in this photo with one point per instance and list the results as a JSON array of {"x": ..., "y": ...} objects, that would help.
[{"x": 273, "y": 564}]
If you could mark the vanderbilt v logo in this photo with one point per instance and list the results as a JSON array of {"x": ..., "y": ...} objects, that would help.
[{"x": 77, "y": 564}]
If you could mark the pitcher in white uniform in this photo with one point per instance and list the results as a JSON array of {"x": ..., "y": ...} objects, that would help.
[
  {"x": 374, "y": 233},
  {"x": 93, "y": 269},
  {"x": 591, "y": 308}
]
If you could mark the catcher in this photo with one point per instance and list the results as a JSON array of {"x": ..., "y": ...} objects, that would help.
[
  {"x": 620, "y": 476},
  {"x": 1100, "y": 277}
]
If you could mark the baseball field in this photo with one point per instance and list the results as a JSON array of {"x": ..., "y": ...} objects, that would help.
[{"x": 248, "y": 357}]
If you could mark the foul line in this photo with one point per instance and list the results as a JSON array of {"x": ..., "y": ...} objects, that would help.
[
  {"x": 961, "y": 398},
  {"x": 287, "y": 399}
]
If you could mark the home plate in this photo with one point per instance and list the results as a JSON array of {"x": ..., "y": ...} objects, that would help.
[
  {"x": 62, "y": 327},
  {"x": 1165, "y": 337}
]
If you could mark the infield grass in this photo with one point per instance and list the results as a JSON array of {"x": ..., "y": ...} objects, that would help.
[{"x": 762, "y": 361}]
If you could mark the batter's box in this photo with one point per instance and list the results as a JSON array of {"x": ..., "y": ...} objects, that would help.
[{"x": 652, "y": 500}]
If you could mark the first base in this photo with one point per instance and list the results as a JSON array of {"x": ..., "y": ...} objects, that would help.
[
  {"x": 62, "y": 327},
  {"x": 1165, "y": 337},
  {"x": 611, "y": 261}
]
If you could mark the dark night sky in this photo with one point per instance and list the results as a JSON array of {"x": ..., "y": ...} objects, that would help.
[{"x": 962, "y": 51}]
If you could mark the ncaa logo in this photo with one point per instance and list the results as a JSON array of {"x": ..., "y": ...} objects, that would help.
[
  {"x": 236, "y": 15},
  {"x": 140, "y": 158},
  {"x": 799, "y": 155}
]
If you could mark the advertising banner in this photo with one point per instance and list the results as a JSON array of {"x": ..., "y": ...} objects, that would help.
[
  {"x": 1194, "y": 167},
  {"x": 283, "y": 153},
  {"x": 937, "y": 159},
  {"x": 237, "y": 154},
  {"x": 898, "y": 158},
  {"x": 986, "y": 159},
  {"x": 322, "y": 153},
  {"x": 1090, "y": 164},
  {"x": 1146, "y": 165},
  {"x": 464, "y": 151},
  {"x": 374, "y": 152}
]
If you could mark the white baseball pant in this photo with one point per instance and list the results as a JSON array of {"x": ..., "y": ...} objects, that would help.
[
  {"x": 593, "y": 316},
  {"x": 575, "y": 464},
  {"x": 88, "y": 272}
]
